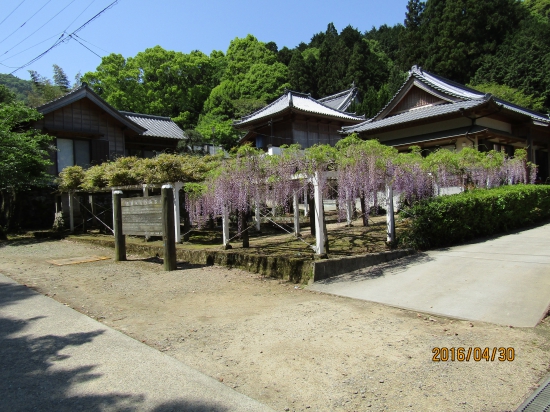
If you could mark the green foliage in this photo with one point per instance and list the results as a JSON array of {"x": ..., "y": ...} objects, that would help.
[
  {"x": 24, "y": 152},
  {"x": 126, "y": 171},
  {"x": 71, "y": 178},
  {"x": 157, "y": 81},
  {"x": 457, "y": 35},
  {"x": 448, "y": 220},
  {"x": 43, "y": 89},
  {"x": 243, "y": 53},
  {"x": 6, "y": 95},
  {"x": 21, "y": 88},
  {"x": 511, "y": 95},
  {"x": 522, "y": 62}
]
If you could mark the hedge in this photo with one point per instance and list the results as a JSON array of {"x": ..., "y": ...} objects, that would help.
[{"x": 449, "y": 220}]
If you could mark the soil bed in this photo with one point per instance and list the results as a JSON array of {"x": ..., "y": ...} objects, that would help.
[{"x": 282, "y": 345}]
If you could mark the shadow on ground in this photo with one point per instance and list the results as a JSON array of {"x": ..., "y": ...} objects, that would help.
[
  {"x": 29, "y": 379},
  {"x": 372, "y": 272}
]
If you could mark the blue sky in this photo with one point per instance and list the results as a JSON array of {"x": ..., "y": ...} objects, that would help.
[{"x": 131, "y": 26}]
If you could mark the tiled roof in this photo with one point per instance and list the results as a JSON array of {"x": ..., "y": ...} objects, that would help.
[
  {"x": 300, "y": 102},
  {"x": 469, "y": 98},
  {"x": 340, "y": 101},
  {"x": 156, "y": 126},
  {"x": 424, "y": 112},
  {"x": 85, "y": 92},
  {"x": 463, "y": 92}
]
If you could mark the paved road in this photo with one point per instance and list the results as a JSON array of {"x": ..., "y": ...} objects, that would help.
[
  {"x": 505, "y": 280},
  {"x": 56, "y": 359}
]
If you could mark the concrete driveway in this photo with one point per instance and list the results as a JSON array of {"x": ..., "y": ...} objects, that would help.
[{"x": 504, "y": 280}]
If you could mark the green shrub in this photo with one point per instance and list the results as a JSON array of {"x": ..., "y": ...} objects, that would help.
[
  {"x": 71, "y": 178},
  {"x": 449, "y": 220}
]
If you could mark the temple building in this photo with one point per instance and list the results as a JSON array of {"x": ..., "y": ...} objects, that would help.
[
  {"x": 298, "y": 118},
  {"x": 89, "y": 131},
  {"x": 433, "y": 112}
]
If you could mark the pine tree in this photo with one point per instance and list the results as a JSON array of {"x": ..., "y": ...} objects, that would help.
[
  {"x": 410, "y": 39},
  {"x": 60, "y": 79}
]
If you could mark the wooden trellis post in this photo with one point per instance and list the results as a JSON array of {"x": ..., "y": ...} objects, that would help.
[
  {"x": 296, "y": 206},
  {"x": 120, "y": 239},
  {"x": 168, "y": 237},
  {"x": 319, "y": 215},
  {"x": 225, "y": 228},
  {"x": 390, "y": 219}
]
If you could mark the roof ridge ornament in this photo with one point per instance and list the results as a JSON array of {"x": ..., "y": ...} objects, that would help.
[{"x": 290, "y": 103}]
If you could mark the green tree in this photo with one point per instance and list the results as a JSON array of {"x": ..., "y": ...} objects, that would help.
[
  {"x": 298, "y": 74},
  {"x": 522, "y": 62},
  {"x": 24, "y": 157},
  {"x": 20, "y": 87},
  {"x": 158, "y": 81},
  {"x": 511, "y": 95},
  {"x": 411, "y": 46},
  {"x": 43, "y": 89},
  {"x": 458, "y": 34},
  {"x": 60, "y": 79}
]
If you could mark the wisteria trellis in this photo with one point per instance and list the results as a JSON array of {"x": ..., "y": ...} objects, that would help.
[{"x": 363, "y": 169}]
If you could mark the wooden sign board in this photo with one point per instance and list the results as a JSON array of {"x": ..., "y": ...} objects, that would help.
[{"x": 142, "y": 216}]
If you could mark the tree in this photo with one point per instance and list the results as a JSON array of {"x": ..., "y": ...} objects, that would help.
[
  {"x": 522, "y": 62},
  {"x": 298, "y": 73},
  {"x": 511, "y": 95},
  {"x": 60, "y": 79},
  {"x": 410, "y": 39},
  {"x": 20, "y": 87},
  {"x": 24, "y": 156},
  {"x": 458, "y": 34},
  {"x": 159, "y": 82},
  {"x": 43, "y": 89}
]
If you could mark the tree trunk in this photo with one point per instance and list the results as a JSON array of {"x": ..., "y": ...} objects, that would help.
[{"x": 364, "y": 211}]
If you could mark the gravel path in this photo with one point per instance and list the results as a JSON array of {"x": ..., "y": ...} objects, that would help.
[{"x": 289, "y": 348}]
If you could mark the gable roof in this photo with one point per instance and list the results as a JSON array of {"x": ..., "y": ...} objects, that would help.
[
  {"x": 85, "y": 92},
  {"x": 142, "y": 124},
  {"x": 420, "y": 113},
  {"x": 156, "y": 126},
  {"x": 454, "y": 97},
  {"x": 340, "y": 101},
  {"x": 294, "y": 101}
]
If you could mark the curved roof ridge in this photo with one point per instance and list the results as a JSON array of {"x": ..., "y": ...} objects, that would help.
[
  {"x": 336, "y": 110},
  {"x": 254, "y": 113},
  {"x": 152, "y": 116}
]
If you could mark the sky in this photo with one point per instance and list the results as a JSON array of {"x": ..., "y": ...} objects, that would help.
[{"x": 28, "y": 28}]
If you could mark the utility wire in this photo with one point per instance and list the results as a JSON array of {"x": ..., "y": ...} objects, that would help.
[
  {"x": 91, "y": 44},
  {"x": 82, "y": 12},
  {"x": 39, "y": 27},
  {"x": 83, "y": 45},
  {"x": 5, "y": 18},
  {"x": 61, "y": 40},
  {"x": 13, "y": 32},
  {"x": 28, "y": 48}
]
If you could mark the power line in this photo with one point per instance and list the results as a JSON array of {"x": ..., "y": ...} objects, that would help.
[
  {"x": 60, "y": 40},
  {"x": 91, "y": 44},
  {"x": 95, "y": 17},
  {"x": 82, "y": 12},
  {"x": 5, "y": 18},
  {"x": 83, "y": 45},
  {"x": 28, "y": 48},
  {"x": 26, "y": 21},
  {"x": 39, "y": 27}
]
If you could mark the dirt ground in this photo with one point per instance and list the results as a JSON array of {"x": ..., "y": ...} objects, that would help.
[{"x": 287, "y": 347}]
